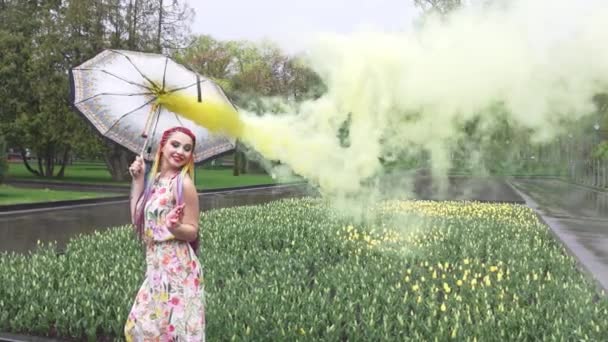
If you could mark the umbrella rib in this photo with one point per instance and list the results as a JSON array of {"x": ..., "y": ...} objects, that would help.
[
  {"x": 134, "y": 66},
  {"x": 111, "y": 94},
  {"x": 111, "y": 74},
  {"x": 182, "y": 88},
  {"x": 226, "y": 96},
  {"x": 129, "y": 113},
  {"x": 158, "y": 110},
  {"x": 178, "y": 120}
]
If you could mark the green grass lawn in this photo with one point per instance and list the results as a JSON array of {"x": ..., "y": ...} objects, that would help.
[
  {"x": 12, "y": 195},
  {"x": 97, "y": 173}
]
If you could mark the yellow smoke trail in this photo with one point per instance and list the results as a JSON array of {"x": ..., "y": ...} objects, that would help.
[
  {"x": 221, "y": 118},
  {"x": 215, "y": 116},
  {"x": 539, "y": 62},
  {"x": 287, "y": 138},
  {"x": 270, "y": 140}
]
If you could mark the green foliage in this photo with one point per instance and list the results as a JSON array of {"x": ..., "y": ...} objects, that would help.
[
  {"x": 294, "y": 270},
  {"x": 248, "y": 71},
  {"x": 41, "y": 40},
  {"x": 601, "y": 151},
  {"x": 74, "y": 293},
  {"x": 36, "y": 114},
  {"x": 344, "y": 132}
]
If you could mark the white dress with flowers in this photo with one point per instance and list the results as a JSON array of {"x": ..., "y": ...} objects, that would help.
[{"x": 169, "y": 305}]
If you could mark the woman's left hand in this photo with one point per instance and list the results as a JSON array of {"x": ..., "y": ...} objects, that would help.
[{"x": 174, "y": 217}]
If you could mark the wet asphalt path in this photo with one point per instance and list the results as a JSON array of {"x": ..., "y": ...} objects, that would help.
[{"x": 577, "y": 215}]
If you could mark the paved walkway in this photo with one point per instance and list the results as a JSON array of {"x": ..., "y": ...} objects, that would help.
[
  {"x": 21, "y": 229},
  {"x": 577, "y": 215}
]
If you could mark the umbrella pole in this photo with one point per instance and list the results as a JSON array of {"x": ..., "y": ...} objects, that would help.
[
  {"x": 143, "y": 149},
  {"x": 148, "y": 127}
]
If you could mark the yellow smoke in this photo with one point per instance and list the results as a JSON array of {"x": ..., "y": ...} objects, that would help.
[
  {"x": 288, "y": 138},
  {"x": 540, "y": 62},
  {"x": 217, "y": 117}
]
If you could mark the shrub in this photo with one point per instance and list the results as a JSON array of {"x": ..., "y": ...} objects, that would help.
[{"x": 294, "y": 270}]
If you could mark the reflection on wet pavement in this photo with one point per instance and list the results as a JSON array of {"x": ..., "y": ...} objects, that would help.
[
  {"x": 560, "y": 199},
  {"x": 20, "y": 230},
  {"x": 577, "y": 215}
]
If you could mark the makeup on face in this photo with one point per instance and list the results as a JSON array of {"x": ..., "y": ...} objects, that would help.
[
  {"x": 178, "y": 148},
  {"x": 176, "y": 144}
]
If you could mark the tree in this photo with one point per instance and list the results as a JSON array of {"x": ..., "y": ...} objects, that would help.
[
  {"x": 63, "y": 35},
  {"x": 441, "y": 7},
  {"x": 601, "y": 103},
  {"x": 41, "y": 40},
  {"x": 172, "y": 24},
  {"x": 35, "y": 101},
  {"x": 302, "y": 82},
  {"x": 16, "y": 30},
  {"x": 209, "y": 57},
  {"x": 91, "y": 26}
]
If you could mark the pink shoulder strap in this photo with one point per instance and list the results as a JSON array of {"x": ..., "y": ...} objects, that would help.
[
  {"x": 179, "y": 199},
  {"x": 179, "y": 189}
]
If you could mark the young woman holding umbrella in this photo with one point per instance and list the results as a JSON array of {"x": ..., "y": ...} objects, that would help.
[{"x": 165, "y": 210}]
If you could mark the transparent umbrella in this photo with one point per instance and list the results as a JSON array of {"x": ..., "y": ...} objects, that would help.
[{"x": 117, "y": 91}]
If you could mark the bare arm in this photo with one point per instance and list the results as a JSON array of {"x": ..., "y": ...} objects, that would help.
[
  {"x": 137, "y": 171},
  {"x": 187, "y": 228},
  {"x": 137, "y": 188}
]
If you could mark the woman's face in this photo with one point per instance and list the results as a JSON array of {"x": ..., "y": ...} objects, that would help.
[{"x": 178, "y": 150}]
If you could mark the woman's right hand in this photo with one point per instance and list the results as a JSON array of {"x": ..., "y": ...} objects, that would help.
[{"x": 137, "y": 168}]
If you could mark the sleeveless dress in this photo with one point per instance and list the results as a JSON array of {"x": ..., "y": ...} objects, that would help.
[{"x": 169, "y": 305}]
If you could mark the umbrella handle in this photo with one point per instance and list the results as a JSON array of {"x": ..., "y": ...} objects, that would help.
[
  {"x": 146, "y": 133},
  {"x": 143, "y": 149},
  {"x": 148, "y": 125}
]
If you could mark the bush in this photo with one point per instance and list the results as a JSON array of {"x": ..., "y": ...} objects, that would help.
[
  {"x": 294, "y": 270},
  {"x": 601, "y": 151}
]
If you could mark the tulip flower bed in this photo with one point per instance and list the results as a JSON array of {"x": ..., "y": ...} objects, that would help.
[{"x": 294, "y": 270}]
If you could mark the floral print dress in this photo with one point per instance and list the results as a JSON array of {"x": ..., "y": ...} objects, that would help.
[{"x": 169, "y": 305}]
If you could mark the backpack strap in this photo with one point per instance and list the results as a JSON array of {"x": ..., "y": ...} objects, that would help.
[
  {"x": 179, "y": 199},
  {"x": 179, "y": 189}
]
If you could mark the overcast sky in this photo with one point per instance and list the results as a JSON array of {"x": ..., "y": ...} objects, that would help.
[{"x": 291, "y": 23}]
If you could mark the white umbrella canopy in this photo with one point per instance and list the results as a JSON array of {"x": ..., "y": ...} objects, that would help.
[{"x": 117, "y": 92}]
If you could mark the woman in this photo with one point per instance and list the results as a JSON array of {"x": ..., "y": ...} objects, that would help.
[{"x": 169, "y": 305}]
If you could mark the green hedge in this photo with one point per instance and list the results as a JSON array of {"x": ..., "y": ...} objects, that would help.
[{"x": 292, "y": 270}]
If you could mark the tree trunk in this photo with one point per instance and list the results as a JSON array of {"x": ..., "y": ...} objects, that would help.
[
  {"x": 40, "y": 166},
  {"x": 244, "y": 163},
  {"x": 50, "y": 162},
  {"x": 64, "y": 161},
  {"x": 160, "y": 28},
  {"x": 117, "y": 160},
  {"x": 236, "y": 168},
  {"x": 133, "y": 8},
  {"x": 27, "y": 165}
]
